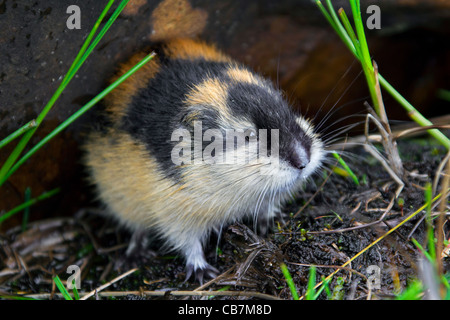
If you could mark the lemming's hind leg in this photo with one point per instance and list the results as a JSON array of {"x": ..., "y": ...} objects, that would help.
[
  {"x": 138, "y": 243},
  {"x": 195, "y": 261},
  {"x": 138, "y": 249}
]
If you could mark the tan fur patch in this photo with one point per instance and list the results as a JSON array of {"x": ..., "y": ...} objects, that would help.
[
  {"x": 211, "y": 92},
  {"x": 176, "y": 19},
  {"x": 191, "y": 49},
  {"x": 241, "y": 75},
  {"x": 118, "y": 100}
]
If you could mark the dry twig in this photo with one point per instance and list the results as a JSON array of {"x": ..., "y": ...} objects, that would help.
[{"x": 96, "y": 291}]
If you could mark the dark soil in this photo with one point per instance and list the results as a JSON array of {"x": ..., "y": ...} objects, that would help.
[{"x": 248, "y": 262}]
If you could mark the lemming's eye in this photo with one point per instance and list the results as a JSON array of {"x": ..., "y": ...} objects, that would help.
[{"x": 250, "y": 133}]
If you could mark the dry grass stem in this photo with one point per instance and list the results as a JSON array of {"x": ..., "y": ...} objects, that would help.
[
  {"x": 439, "y": 172},
  {"x": 144, "y": 293},
  {"x": 96, "y": 291},
  {"x": 410, "y": 129},
  {"x": 393, "y": 166}
]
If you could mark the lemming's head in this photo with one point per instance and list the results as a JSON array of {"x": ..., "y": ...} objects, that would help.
[{"x": 241, "y": 127}]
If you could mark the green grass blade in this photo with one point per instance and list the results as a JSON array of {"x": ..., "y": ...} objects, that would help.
[
  {"x": 350, "y": 32},
  {"x": 311, "y": 292},
  {"x": 413, "y": 113},
  {"x": 87, "y": 41},
  {"x": 326, "y": 285},
  {"x": 289, "y": 281},
  {"x": 346, "y": 168},
  {"x": 76, "y": 115},
  {"x": 413, "y": 292},
  {"x": 340, "y": 29},
  {"x": 75, "y": 291},
  {"x": 62, "y": 288},
  {"x": 364, "y": 55},
  {"x": 96, "y": 40},
  {"x": 24, "y": 205},
  {"x": 327, "y": 16},
  {"x": 422, "y": 249},
  {"x": 430, "y": 229},
  {"x": 18, "y": 133}
]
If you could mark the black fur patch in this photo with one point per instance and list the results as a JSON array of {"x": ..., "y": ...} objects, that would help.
[
  {"x": 157, "y": 110},
  {"x": 268, "y": 110}
]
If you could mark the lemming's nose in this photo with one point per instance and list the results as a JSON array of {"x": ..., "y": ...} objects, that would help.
[{"x": 298, "y": 159}]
